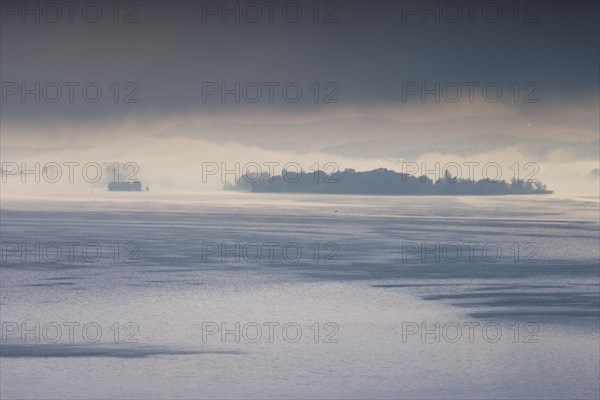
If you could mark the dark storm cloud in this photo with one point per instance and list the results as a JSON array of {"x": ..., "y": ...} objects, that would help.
[{"x": 373, "y": 48}]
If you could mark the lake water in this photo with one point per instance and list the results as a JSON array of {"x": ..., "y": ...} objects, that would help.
[{"x": 142, "y": 295}]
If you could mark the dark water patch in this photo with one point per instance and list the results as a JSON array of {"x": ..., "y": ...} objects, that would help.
[
  {"x": 538, "y": 315},
  {"x": 67, "y": 278},
  {"x": 464, "y": 273},
  {"x": 520, "y": 296},
  {"x": 415, "y": 285},
  {"x": 517, "y": 287},
  {"x": 168, "y": 271},
  {"x": 48, "y": 284},
  {"x": 115, "y": 351}
]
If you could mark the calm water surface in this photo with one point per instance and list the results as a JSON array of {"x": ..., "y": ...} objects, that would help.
[{"x": 347, "y": 276}]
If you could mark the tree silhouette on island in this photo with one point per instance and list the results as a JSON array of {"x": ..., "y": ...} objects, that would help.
[{"x": 380, "y": 181}]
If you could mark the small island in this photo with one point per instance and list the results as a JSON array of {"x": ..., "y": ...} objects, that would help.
[
  {"x": 382, "y": 181},
  {"x": 135, "y": 186}
]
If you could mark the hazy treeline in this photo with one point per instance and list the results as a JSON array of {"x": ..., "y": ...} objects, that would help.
[{"x": 380, "y": 181}]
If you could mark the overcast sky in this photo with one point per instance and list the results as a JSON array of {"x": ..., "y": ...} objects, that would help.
[{"x": 363, "y": 55}]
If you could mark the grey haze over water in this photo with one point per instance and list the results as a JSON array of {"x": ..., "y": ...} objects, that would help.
[
  {"x": 188, "y": 291},
  {"x": 368, "y": 51}
]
